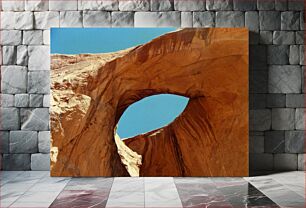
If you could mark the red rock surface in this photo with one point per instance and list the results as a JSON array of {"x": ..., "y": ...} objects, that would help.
[{"x": 210, "y": 138}]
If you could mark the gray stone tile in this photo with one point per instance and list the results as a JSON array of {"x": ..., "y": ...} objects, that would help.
[
  {"x": 46, "y": 101},
  {"x": 216, "y": 5},
  {"x": 285, "y": 162},
  {"x": 71, "y": 19},
  {"x": 265, "y": 5},
  {"x": 229, "y": 19},
  {"x": 23, "y": 142},
  {"x": 302, "y": 20},
  {"x": 274, "y": 141},
  {"x": 24, "y": 20},
  {"x": 295, "y": 141},
  {"x": 39, "y": 82},
  {"x": 294, "y": 54},
  {"x": 46, "y": 20},
  {"x": 9, "y": 55},
  {"x": 300, "y": 119},
  {"x": 63, "y": 5},
  {"x": 295, "y": 100},
  {"x": 281, "y": 5},
  {"x": 299, "y": 37},
  {"x": 252, "y": 21},
  {"x": 97, "y": 19},
  {"x": 13, "y": 79},
  {"x": 301, "y": 162},
  {"x": 21, "y": 100},
  {"x": 36, "y": 119},
  {"x": 40, "y": 161},
  {"x": 32, "y": 37},
  {"x": 22, "y": 55},
  {"x": 10, "y": 119},
  {"x": 134, "y": 5},
  {"x": 269, "y": 20},
  {"x": 260, "y": 120},
  {"x": 6, "y": 100},
  {"x": 197, "y": 5},
  {"x": 283, "y": 118},
  {"x": 278, "y": 54},
  {"x": 39, "y": 58},
  {"x": 98, "y": 5},
  {"x": 11, "y": 37},
  {"x": 285, "y": 79},
  {"x": 283, "y": 37},
  {"x": 290, "y": 20},
  {"x": 44, "y": 141},
  {"x": 4, "y": 142},
  {"x": 203, "y": 19},
  {"x": 276, "y": 100},
  {"x": 7, "y": 20},
  {"x": 36, "y": 100},
  {"x": 186, "y": 19},
  {"x": 16, "y": 161},
  {"x": 13, "y": 6},
  {"x": 297, "y": 5},
  {"x": 303, "y": 79},
  {"x": 302, "y": 56},
  {"x": 122, "y": 19},
  {"x": 244, "y": 5},
  {"x": 157, "y": 19},
  {"x": 38, "y": 5},
  {"x": 266, "y": 37},
  {"x": 162, "y": 5}
]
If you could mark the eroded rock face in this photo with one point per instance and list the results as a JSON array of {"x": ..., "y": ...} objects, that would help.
[{"x": 210, "y": 138}]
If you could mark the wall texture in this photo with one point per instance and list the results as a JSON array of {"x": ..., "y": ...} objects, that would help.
[{"x": 276, "y": 87}]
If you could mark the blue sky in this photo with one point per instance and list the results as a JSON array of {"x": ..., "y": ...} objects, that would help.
[
  {"x": 100, "y": 40},
  {"x": 145, "y": 115},
  {"x": 150, "y": 113}
]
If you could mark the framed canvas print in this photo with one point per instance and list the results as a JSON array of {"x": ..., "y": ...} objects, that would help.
[{"x": 100, "y": 75}]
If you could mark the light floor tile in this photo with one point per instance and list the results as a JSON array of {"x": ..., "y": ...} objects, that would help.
[
  {"x": 163, "y": 198},
  {"x": 125, "y": 199},
  {"x": 126, "y": 184},
  {"x": 159, "y": 183}
]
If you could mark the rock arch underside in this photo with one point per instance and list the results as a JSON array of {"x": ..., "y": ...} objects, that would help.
[{"x": 210, "y": 138}]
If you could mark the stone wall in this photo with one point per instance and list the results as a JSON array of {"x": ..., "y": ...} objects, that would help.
[{"x": 276, "y": 68}]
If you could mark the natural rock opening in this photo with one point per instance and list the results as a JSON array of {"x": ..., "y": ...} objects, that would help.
[
  {"x": 150, "y": 113},
  {"x": 146, "y": 115}
]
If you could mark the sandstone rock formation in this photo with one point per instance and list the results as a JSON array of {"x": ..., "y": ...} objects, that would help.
[{"x": 210, "y": 138}]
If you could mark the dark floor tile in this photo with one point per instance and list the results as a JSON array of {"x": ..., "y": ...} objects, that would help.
[{"x": 81, "y": 199}]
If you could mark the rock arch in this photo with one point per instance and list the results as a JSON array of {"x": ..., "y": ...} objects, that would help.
[{"x": 210, "y": 138}]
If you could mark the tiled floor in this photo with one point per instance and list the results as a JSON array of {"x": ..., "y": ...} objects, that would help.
[{"x": 38, "y": 189}]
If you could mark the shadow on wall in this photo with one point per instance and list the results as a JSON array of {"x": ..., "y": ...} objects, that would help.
[{"x": 270, "y": 83}]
